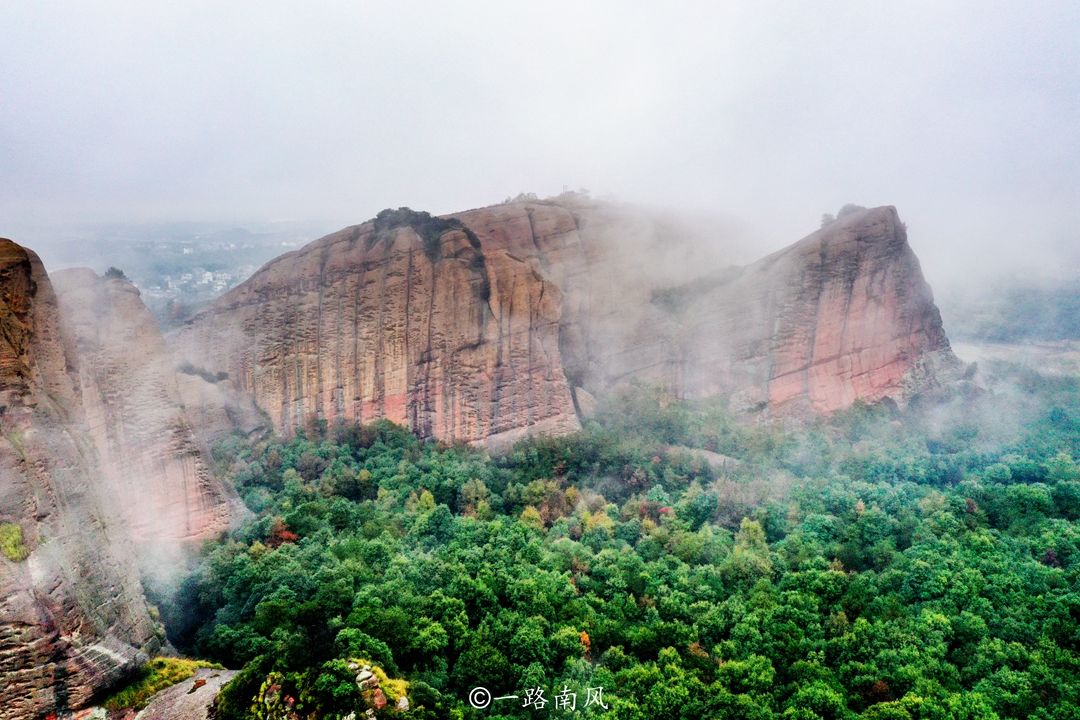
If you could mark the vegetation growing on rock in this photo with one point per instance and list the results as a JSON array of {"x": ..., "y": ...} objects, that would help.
[
  {"x": 158, "y": 674},
  {"x": 430, "y": 228},
  {"x": 11, "y": 542}
]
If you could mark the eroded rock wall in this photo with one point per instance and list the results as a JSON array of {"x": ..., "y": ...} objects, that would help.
[
  {"x": 72, "y": 613},
  {"x": 846, "y": 315},
  {"x": 132, "y": 410},
  {"x": 509, "y": 323},
  {"x": 460, "y": 344}
]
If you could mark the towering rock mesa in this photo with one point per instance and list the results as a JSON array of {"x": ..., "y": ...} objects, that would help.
[{"x": 493, "y": 323}]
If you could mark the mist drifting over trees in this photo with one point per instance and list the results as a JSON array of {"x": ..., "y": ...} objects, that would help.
[{"x": 779, "y": 419}]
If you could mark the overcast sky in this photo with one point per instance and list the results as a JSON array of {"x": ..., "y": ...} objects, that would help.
[{"x": 965, "y": 115}]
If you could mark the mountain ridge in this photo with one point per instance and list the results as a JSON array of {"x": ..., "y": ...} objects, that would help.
[{"x": 518, "y": 308}]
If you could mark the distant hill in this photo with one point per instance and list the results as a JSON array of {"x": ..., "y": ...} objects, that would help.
[{"x": 1015, "y": 310}]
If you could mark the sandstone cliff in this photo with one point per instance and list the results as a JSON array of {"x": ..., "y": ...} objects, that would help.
[
  {"x": 843, "y": 314},
  {"x": 101, "y": 474},
  {"x": 72, "y": 613},
  {"x": 459, "y": 341},
  {"x": 132, "y": 410},
  {"x": 489, "y": 324}
]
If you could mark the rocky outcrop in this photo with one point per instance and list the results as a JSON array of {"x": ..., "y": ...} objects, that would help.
[
  {"x": 131, "y": 405},
  {"x": 844, "y": 314},
  {"x": 855, "y": 319},
  {"x": 192, "y": 699},
  {"x": 493, "y": 323},
  {"x": 457, "y": 338},
  {"x": 379, "y": 695},
  {"x": 100, "y": 473},
  {"x": 378, "y": 690},
  {"x": 72, "y": 613}
]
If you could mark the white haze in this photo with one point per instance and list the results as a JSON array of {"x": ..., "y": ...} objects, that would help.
[{"x": 964, "y": 115}]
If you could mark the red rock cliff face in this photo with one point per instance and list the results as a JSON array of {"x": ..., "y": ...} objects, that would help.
[
  {"x": 132, "y": 409},
  {"x": 72, "y": 613},
  {"x": 461, "y": 343},
  {"x": 844, "y": 314},
  {"x": 527, "y": 305}
]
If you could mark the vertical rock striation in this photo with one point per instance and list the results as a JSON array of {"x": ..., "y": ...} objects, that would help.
[
  {"x": 842, "y": 315},
  {"x": 72, "y": 614},
  {"x": 493, "y": 323},
  {"x": 455, "y": 337},
  {"x": 132, "y": 410}
]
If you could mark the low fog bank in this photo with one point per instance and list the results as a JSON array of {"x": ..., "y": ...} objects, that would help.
[
  {"x": 987, "y": 299},
  {"x": 142, "y": 248},
  {"x": 1014, "y": 308}
]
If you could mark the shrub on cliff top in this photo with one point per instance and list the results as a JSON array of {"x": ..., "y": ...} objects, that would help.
[{"x": 428, "y": 227}]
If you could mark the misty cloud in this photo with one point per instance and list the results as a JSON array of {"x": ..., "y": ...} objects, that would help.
[{"x": 963, "y": 116}]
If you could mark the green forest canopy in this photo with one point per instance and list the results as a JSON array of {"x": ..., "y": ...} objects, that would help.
[{"x": 880, "y": 564}]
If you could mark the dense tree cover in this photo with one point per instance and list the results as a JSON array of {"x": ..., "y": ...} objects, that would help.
[{"x": 881, "y": 564}]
